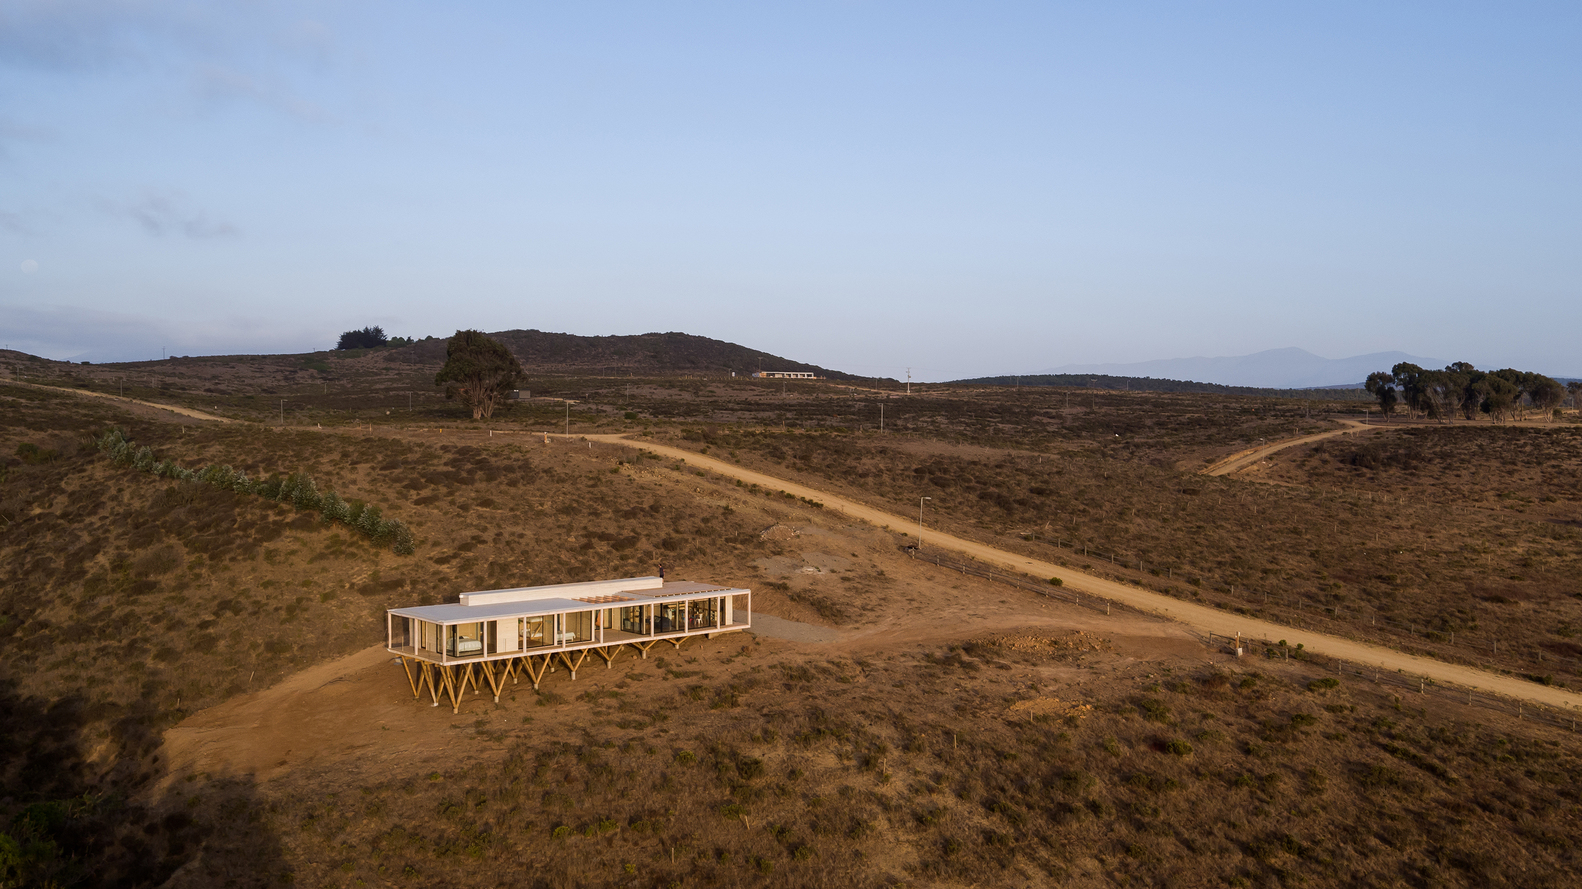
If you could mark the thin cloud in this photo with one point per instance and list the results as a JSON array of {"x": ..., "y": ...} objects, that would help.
[
  {"x": 231, "y": 52},
  {"x": 216, "y": 83},
  {"x": 13, "y": 223},
  {"x": 162, "y": 214}
]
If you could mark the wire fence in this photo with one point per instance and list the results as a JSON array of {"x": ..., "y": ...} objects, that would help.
[{"x": 1323, "y": 665}]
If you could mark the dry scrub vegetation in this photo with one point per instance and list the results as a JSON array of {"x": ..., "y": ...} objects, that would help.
[
  {"x": 918, "y": 768},
  {"x": 1463, "y": 533},
  {"x": 128, "y": 602}
]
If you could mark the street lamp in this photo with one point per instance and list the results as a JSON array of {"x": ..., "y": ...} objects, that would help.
[{"x": 920, "y": 521}]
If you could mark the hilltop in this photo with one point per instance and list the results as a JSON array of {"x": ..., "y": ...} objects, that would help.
[{"x": 540, "y": 352}]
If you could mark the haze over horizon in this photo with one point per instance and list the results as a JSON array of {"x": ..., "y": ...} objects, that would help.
[{"x": 959, "y": 190}]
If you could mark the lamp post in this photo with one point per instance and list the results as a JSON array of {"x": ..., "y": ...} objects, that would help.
[
  {"x": 568, "y": 418},
  {"x": 920, "y": 521}
]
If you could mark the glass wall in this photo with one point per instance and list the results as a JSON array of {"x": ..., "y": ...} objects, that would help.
[
  {"x": 536, "y": 631},
  {"x": 401, "y": 632},
  {"x": 576, "y": 627},
  {"x": 634, "y": 621},
  {"x": 667, "y": 618},
  {"x": 703, "y": 613},
  {"x": 464, "y": 640}
]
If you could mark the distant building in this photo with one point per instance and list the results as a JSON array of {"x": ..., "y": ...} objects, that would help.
[
  {"x": 783, "y": 375},
  {"x": 489, "y": 637}
]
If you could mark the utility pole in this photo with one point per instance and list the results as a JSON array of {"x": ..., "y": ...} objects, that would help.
[
  {"x": 920, "y": 522},
  {"x": 282, "y": 412},
  {"x": 909, "y": 381},
  {"x": 881, "y": 416}
]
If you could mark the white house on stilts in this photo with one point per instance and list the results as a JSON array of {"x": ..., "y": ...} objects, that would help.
[{"x": 489, "y": 637}]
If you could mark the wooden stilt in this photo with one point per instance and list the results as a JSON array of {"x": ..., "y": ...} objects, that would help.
[
  {"x": 538, "y": 674},
  {"x": 451, "y": 683},
  {"x": 643, "y": 647},
  {"x": 609, "y": 652},
  {"x": 678, "y": 640},
  {"x": 429, "y": 671},
  {"x": 565, "y": 657},
  {"x": 411, "y": 680},
  {"x": 494, "y": 683}
]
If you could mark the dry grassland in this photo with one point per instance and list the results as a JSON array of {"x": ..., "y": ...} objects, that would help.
[{"x": 960, "y": 733}]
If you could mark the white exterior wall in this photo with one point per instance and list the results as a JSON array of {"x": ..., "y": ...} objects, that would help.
[{"x": 563, "y": 591}]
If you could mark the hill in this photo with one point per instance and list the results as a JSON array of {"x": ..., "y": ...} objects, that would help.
[
  {"x": 1289, "y": 368},
  {"x": 641, "y": 354}
]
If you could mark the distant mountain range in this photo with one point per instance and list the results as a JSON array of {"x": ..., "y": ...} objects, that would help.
[{"x": 1271, "y": 369}]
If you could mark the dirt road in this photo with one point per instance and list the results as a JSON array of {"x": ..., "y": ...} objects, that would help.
[
  {"x": 1199, "y": 617},
  {"x": 1240, "y": 461},
  {"x": 184, "y": 411}
]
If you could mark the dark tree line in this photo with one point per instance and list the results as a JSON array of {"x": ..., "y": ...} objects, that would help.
[
  {"x": 1463, "y": 389},
  {"x": 369, "y": 338}
]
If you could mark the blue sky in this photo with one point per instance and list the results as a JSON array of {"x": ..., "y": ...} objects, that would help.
[{"x": 962, "y": 189}]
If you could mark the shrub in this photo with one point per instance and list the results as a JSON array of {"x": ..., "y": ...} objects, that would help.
[
  {"x": 33, "y": 455},
  {"x": 297, "y": 489}
]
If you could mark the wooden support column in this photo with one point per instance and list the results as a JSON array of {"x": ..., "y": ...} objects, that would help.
[
  {"x": 495, "y": 681},
  {"x": 411, "y": 680},
  {"x": 643, "y": 647},
  {"x": 565, "y": 657},
  {"x": 429, "y": 671},
  {"x": 452, "y": 681},
  {"x": 538, "y": 674},
  {"x": 677, "y": 641},
  {"x": 609, "y": 652}
]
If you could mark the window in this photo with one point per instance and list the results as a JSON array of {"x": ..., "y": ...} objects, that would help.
[
  {"x": 576, "y": 627},
  {"x": 632, "y": 621},
  {"x": 536, "y": 631},
  {"x": 464, "y": 640},
  {"x": 702, "y": 613}
]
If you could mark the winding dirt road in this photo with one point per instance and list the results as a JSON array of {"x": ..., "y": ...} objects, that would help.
[
  {"x": 184, "y": 411},
  {"x": 1199, "y": 617},
  {"x": 1244, "y": 459}
]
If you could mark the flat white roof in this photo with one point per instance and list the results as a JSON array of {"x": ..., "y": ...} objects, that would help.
[{"x": 565, "y": 597}]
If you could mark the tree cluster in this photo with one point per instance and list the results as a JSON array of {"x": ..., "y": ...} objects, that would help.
[
  {"x": 367, "y": 338},
  {"x": 1463, "y": 389}
]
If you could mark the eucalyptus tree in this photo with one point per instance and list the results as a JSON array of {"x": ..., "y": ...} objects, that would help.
[
  {"x": 1382, "y": 386},
  {"x": 479, "y": 371}
]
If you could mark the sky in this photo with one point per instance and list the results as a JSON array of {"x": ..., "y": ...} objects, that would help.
[{"x": 958, "y": 189}]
